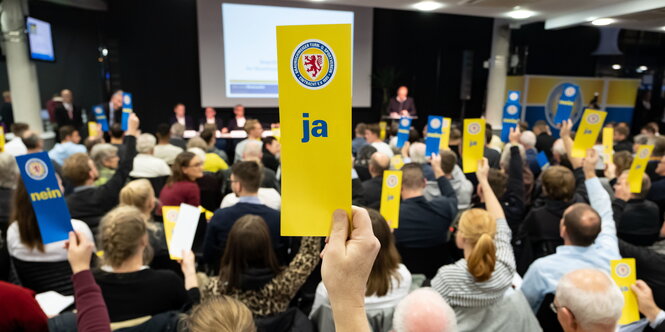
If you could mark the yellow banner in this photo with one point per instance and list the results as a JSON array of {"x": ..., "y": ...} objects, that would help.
[
  {"x": 314, "y": 77},
  {"x": 92, "y": 129},
  {"x": 397, "y": 162},
  {"x": 608, "y": 145},
  {"x": 2, "y": 139},
  {"x": 390, "y": 197},
  {"x": 473, "y": 144},
  {"x": 445, "y": 135},
  {"x": 587, "y": 132},
  {"x": 638, "y": 167},
  {"x": 382, "y": 133},
  {"x": 624, "y": 275},
  {"x": 170, "y": 216}
]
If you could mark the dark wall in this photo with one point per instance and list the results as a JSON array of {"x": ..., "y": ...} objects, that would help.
[{"x": 76, "y": 37}]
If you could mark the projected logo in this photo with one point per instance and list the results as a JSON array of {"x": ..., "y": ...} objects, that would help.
[
  {"x": 313, "y": 64},
  {"x": 553, "y": 102}
]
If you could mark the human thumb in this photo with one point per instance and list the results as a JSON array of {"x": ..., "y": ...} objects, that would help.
[{"x": 339, "y": 231}]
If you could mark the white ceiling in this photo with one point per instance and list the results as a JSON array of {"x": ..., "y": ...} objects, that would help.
[{"x": 631, "y": 14}]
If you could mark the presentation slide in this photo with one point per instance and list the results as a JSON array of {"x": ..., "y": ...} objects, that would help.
[
  {"x": 238, "y": 49},
  {"x": 41, "y": 44},
  {"x": 250, "y": 50}
]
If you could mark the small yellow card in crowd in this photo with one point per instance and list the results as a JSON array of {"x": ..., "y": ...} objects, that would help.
[
  {"x": 382, "y": 133},
  {"x": 624, "y": 275},
  {"x": 92, "y": 129},
  {"x": 2, "y": 139},
  {"x": 638, "y": 167},
  {"x": 170, "y": 216},
  {"x": 396, "y": 162},
  {"x": 608, "y": 145},
  {"x": 390, "y": 197},
  {"x": 588, "y": 131},
  {"x": 445, "y": 134},
  {"x": 473, "y": 144}
]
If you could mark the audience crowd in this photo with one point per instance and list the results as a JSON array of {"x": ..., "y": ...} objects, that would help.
[{"x": 511, "y": 247}]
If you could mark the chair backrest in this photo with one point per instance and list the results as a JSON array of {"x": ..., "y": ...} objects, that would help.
[
  {"x": 380, "y": 320},
  {"x": 423, "y": 261},
  {"x": 157, "y": 183},
  {"x": 546, "y": 317},
  {"x": 291, "y": 320},
  {"x": 210, "y": 186},
  {"x": 44, "y": 276}
]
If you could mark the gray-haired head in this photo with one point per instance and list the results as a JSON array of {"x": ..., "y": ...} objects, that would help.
[
  {"x": 102, "y": 152},
  {"x": 145, "y": 143},
  {"x": 8, "y": 170},
  {"x": 424, "y": 310}
]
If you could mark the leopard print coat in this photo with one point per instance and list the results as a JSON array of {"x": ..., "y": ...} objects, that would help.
[{"x": 275, "y": 296}]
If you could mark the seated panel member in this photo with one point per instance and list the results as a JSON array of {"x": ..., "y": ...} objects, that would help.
[{"x": 180, "y": 117}]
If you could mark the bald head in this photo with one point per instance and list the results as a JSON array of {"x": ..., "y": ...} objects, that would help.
[
  {"x": 424, "y": 310},
  {"x": 581, "y": 225},
  {"x": 588, "y": 300},
  {"x": 378, "y": 163}
]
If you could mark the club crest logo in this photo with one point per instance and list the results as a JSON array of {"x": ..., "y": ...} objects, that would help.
[
  {"x": 473, "y": 128},
  {"x": 593, "y": 118},
  {"x": 435, "y": 123},
  {"x": 644, "y": 153},
  {"x": 391, "y": 181},
  {"x": 313, "y": 64},
  {"x": 172, "y": 215},
  {"x": 404, "y": 122},
  {"x": 569, "y": 92},
  {"x": 514, "y": 96},
  {"x": 512, "y": 109},
  {"x": 127, "y": 100},
  {"x": 36, "y": 169},
  {"x": 622, "y": 270}
]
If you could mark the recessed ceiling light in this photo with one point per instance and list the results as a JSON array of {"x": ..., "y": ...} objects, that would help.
[
  {"x": 427, "y": 5},
  {"x": 520, "y": 14},
  {"x": 616, "y": 66},
  {"x": 642, "y": 69},
  {"x": 603, "y": 21}
]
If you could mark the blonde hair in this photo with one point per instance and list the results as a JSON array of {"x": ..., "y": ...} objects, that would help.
[
  {"x": 220, "y": 314},
  {"x": 137, "y": 193},
  {"x": 121, "y": 233},
  {"x": 478, "y": 227}
]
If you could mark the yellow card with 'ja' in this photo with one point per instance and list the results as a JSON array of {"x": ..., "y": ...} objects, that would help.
[
  {"x": 588, "y": 131},
  {"x": 624, "y": 275},
  {"x": 314, "y": 75},
  {"x": 638, "y": 167},
  {"x": 170, "y": 216},
  {"x": 473, "y": 144},
  {"x": 445, "y": 134},
  {"x": 390, "y": 196},
  {"x": 382, "y": 132},
  {"x": 608, "y": 145},
  {"x": 2, "y": 139}
]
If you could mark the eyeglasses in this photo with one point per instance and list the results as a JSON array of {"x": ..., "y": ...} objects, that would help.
[{"x": 554, "y": 307}]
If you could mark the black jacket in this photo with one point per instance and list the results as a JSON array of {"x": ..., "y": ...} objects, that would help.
[
  {"x": 544, "y": 142},
  {"x": 189, "y": 122},
  {"x": 62, "y": 117},
  {"x": 395, "y": 106},
  {"x": 372, "y": 192},
  {"x": 90, "y": 204},
  {"x": 203, "y": 122},
  {"x": 269, "y": 160},
  {"x": 638, "y": 221},
  {"x": 625, "y": 145}
]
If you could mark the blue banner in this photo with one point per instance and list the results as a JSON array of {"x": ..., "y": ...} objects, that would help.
[
  {"x": 433, "y": 139},
  {"x": 47, "y": 199},
  {"x": 566, "y": 102},
  {"x": 543, "y": 162},
  {"x": 403, "y": 131},
  {"x": 127, "y": 109},
  {"x": 511, "y": 114},
  {"x": 100, "y": 117}
]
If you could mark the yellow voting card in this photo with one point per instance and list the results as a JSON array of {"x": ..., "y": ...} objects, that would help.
[
  {"x": 2, "y": 139},
  {"x": 608, "y": 145},
  {"x": 170, "y": 216},
  {"x": 624, "y": 275},
  {"x": 473, "y": 144},
  {"x": 396, "y": 162},
  {"x": 92, "y": 129},
  {"x": 382, "y": 133},
  {"x": 390, "y": 197},
  {"x": 445, "y": 134},
  {"x": 314, "y": 76},
  {"x": 638, "y": 167},
  {"x": 588, "y": 131}
]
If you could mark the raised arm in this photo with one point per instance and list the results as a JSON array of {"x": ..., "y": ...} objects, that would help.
[
  {"x": 289, "y": 281},
  {"x": 564, "y": 133},
  {"x": 491, "y": 202},
  {"x": 442, "y": 179},
  {"x": 601, "y": 202}
]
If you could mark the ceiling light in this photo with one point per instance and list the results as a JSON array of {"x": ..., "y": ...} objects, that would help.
[
  {"x": 641, "y": 69},
  {"x": 616, "y": 66},
  {"x": 520, "y": 14},
  {"x": 427, "y": 5},
  {"x": 662, "y": 28},
  {"x": 603, "y": 21}
]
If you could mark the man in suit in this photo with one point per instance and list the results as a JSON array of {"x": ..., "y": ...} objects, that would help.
[
  {"x": 378, "y": 163},
  {"x": 6, "y": 112},
  {"x": 113, "y": 110},
  {"x": 68, "y": 114},
  {"x": 210, "y": 118},
  {"x": 238, "y": 121},
  {"x": 493, "y": 156},
  {"x": 180, "y": 117},
  {"x": 402, "y": 105}
]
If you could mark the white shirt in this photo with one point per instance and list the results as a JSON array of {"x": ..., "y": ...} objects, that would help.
[
  {"x": 167, "y": 152},
  {"x": 211, "y": 121},
  {"x": 241, "y": 122},
  {"x": 399, "y": 290},
  {"x": 181, "y": 120},
  {"x": 383, "y": 148},
  {"x": 148, "y": 166},
  {"x": 16, "y": 147},
  {"x": 268, "y": 196},
  {"x": 53, "y": 252}
]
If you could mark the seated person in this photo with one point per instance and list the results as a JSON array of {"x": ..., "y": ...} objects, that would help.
[
  {"x": 245, "y": 179},
  {"x": 389, "y": 282},
  {"x": 372, "y": 188},
  {"x": 69, "y": 145},
  {"x": 253, "y": 152},
  {"x": 622, "y": 138},
  {"x": 88, "y": 202},
  {"x": 424, "y": 310},
  {"x": 145, "y": 164},
  {"x": 209, "y": 135},
  {"x": 164, "y": 150},
  {"x": 22, "y": 312},
  {"x": 271, "y": 153},
  {"x": 461, "y": 185},
  {"x": 251, "y": 272},
  {"x": 416, "y": 154},
  {"x": 181, "y": 186},
  {"x": 372, "y": 135},
  {"x": 212, "y": 163},
  {"x": 638, "y": 220},
  {"x": 131, "y": 289},
  {"x": 106, "y": 159},
  {"x": 267, "y": 196},
  {"x": 177, "y": 133},
  {"x": 254, "y": 132},
  {"x": 482, "y": 277}
]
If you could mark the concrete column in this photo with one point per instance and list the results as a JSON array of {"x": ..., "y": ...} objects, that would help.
[
  {"x": 498, "y": 69},
  {"x": 22, "y": 73}
]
